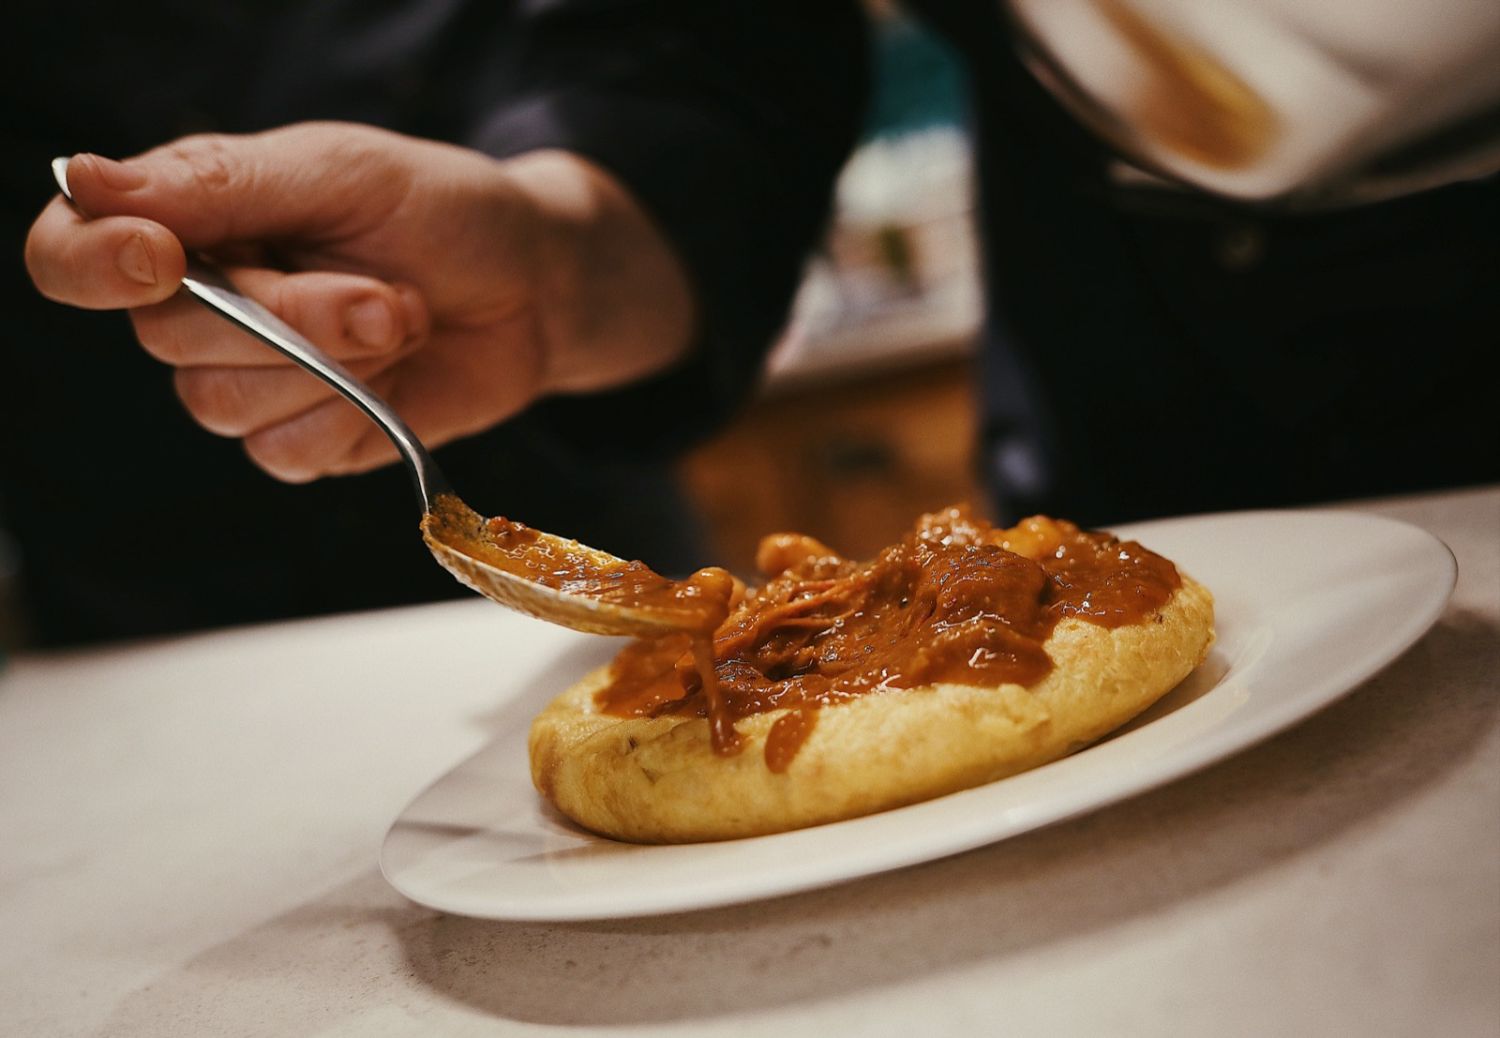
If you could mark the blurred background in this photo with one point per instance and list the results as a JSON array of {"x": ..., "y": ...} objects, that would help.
[{"x": 866, "y": 416}]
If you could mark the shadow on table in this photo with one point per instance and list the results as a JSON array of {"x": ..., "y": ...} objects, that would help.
[{"x": 1344, "y": 767}]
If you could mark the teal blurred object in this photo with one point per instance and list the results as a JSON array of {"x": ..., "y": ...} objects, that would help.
[{"x": 918, "y": 80}]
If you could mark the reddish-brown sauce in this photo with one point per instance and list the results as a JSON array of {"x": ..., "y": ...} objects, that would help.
[
  {"x": 698, "y": 603},
  {"x": 955, "y": 601}
]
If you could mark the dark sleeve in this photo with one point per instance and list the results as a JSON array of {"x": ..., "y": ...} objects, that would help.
[{"x": 728, "y": 121}]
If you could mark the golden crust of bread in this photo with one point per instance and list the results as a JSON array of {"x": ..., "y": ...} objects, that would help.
[{"x": 656, "y": 779}]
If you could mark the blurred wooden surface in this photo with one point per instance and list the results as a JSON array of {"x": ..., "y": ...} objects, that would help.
[{"x": 852, "y": 463}]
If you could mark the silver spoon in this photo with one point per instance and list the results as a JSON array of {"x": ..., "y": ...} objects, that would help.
[{"x": 550, "y": 577}]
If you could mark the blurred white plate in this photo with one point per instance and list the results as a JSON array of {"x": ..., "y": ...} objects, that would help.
[{"x": 1309, "y": 604}]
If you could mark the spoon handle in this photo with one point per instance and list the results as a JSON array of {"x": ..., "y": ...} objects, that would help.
[{"x": 208, "y": 284}]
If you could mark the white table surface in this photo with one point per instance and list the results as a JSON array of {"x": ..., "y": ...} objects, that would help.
[{"x": 189, "y": 831}]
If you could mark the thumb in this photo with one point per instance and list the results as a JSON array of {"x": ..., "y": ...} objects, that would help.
[{"x": 312, "y": 180}]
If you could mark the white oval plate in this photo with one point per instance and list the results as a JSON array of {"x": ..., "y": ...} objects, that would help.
[{"x": 1309, "y": 604}]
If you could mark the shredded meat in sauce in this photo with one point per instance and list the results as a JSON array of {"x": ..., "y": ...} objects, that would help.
[{"x": 954, "y": 601}]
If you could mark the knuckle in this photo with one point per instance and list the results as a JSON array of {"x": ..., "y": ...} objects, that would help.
[
  {"x": 205, "y": 156},
  {"x": 287, "y": 304},
  {"x": 35, "y": 256},
  {"x": 44, "y": 265},
  {"x": 43, "y": 273},
  {"x": 370, "y": 450},
  {"x": 337, "y": 139},
  {"x": 217, "y": 399},
  {"x": 208, "y": 160},
  {"x": 154, "y": 331},
  {"x": 282, "y": 454}
]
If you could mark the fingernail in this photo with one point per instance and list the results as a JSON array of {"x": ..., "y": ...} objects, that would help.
[
  {"x": 118, "y": 175},
  {"x": 371, "y": 323},
  {"x": 136, "y": 262}
]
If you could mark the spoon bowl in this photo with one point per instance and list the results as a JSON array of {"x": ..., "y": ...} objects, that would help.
[{"x": 559, "y": 579}]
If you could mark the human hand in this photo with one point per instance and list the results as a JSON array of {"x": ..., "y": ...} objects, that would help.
[{"x": 458, "y": 286}]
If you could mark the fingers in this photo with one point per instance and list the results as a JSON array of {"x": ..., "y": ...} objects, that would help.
[
  {"x": 349, "y": 316},
  {"x": 461, "y": 383},
  {"x": 309, "y": 180},
  {"x": 234, "y": 385},
  {"x": 105, "y": 264},
  {"x": 318, "y": 441},
  {"x": 471, "y": 381},
  {"x": 242, "y": 401}
]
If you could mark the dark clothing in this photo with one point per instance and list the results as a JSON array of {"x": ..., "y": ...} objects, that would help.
[
  {"x": 1156, "y": 352},
  {"x": 1146, "y": 353}
]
